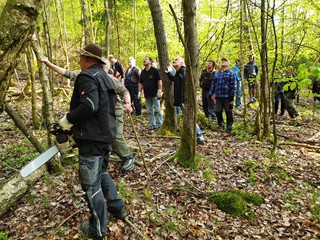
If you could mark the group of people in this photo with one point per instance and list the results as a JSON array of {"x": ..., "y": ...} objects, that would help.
[{"x": 220, "y": 87}]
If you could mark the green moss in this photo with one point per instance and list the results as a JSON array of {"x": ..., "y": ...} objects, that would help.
[{"x": 236, "y": 202}]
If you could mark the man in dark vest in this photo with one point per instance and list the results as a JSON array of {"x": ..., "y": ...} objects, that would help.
[
  {"x": 131, "y": 82},
  {"x": 92, "y": 121}
]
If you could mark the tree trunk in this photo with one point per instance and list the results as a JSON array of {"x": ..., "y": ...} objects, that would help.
[
  {"x": 170, "y": 122},
  {"x": 224, "y": 29},
  {"x": 85, "y": 24},
  {"x": 16, "y": 187},
  {"x": 17, "y": 23},
  {"x": 47, "y": 99},
  {"x": 187, "y": 150},
  {"x": 264, "y": 104},
  {"x": 107, "y": 14}
]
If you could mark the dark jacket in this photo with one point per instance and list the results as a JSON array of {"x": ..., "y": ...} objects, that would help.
[
  {"x": 206, "y": 79},
  {"x": 132, "y": 77},
  {"x": 250, "y": 70},
  {"x": 119, "y": 67},
  {"x": 92, "y": 106},
  {"x": 178, "y": 81}
]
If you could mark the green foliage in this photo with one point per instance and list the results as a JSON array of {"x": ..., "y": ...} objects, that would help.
[
  {"x": 4, "y": 235},
  {"x": 17, "y": 154},
  {"x": 209, "y": 175},
  {"x": 236, "y": 202}
]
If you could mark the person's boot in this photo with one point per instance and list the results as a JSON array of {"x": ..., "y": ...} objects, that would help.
[{"x": 120, "y": 214}]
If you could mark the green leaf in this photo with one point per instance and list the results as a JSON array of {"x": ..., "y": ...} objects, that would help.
[{"x": 305, "y": 83}]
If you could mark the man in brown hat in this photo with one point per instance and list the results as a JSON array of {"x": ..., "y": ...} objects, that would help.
[{"x": 92, "y": 122}]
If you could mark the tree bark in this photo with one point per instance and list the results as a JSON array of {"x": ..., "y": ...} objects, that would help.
[
  {"x": 187, "y": 149},
  {"x": 107, "y": 14},
  {"x": 264, "y": 104},
  {"x": 16, "y": 187},
  {"x": 170, "y": 122},
  {"x": 17, "y": 23}
]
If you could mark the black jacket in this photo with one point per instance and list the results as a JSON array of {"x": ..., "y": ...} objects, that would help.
[
  {"x": 92, "y": 106},
  {"x": 178, "y": 80}
]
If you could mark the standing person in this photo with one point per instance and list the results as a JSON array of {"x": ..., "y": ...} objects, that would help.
[
  {"x": 223, "y": 89},
  {"x": 120, "y": 146},
  {"x": 151, "y": 84},
  {"x": 131, "y": 82},
  {"x": 290, "y": 91},
  {"x": 205, "y": 83},
  {"x": 93, "y": 124},
  {"x": 237, "y": 72},
  {"x": 279, "y": 83},
  {"x": 178, "y": 78},
  {"x": 117, "y": 65},
  {"x": 250, "y": 73}
]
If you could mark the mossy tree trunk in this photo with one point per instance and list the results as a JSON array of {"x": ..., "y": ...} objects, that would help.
[
  {"x": 17, "y": 23},
  {"x": 170, "y": 122},
  {"x": 47, "y": 92},
  {"x": 187, "y": 151}
]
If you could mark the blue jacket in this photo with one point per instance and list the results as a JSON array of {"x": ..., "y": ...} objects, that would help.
[
  {"x": 237, "y": 72},
  {"x": 223, "y": 84}
]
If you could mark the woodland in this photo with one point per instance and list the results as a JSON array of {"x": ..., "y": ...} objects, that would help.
[{"x": 261, "y": 181}]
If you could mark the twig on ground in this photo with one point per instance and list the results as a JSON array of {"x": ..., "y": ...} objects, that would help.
[
  {"x": 163, "y": 136},
  {"x": 186, "y": 180},
  {"x": 65, "y": 220},
  {"x": 159, "y": 165},
  {"x": 135, "y": 229},
  {"x": 141, "y": 151},
  {"x": 299, "y": 145}
]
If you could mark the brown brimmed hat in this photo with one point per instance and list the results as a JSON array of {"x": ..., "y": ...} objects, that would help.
[{"x": 92, "y": 50}]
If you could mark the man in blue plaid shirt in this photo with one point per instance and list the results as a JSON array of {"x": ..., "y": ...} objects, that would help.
[{"x": 223, "y": 89}]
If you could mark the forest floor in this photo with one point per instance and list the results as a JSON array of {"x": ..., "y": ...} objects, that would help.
[{"x": 173, "y": 202}]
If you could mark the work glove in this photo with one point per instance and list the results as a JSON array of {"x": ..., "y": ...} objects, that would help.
[
  {"x": 139, "y": 96},
  {"x": 169, "y": 69},
  {"x": 65, "y": 124},
  {"x": 159, "y": 94}
]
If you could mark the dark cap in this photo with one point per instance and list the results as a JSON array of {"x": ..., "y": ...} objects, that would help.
[{"x": 92, "y": 50}]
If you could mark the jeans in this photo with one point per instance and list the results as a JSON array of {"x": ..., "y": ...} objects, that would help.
[
  {"x": 239, "y": 94},
  {"x": 208, "y": 105},
  {"x": 153, "y": 104}
]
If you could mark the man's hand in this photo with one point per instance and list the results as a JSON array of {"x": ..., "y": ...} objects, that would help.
[
  {"x": 45, "y": 60},
  {"x": 127, "y": 107},
  {"x": 213, "y": 98},
  {"x": 159, "y": 94},
  {"x": 65, "y": 124}
]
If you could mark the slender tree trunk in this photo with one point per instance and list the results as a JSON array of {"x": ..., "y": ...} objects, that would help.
[
  {"x": 32, "y": 76},
  {"x": 187, "y": 150},
  {"x": 135, "y": 27},
  {"x": 116, "y": 20},
  {"x": 224, "y": 29},
  {"x": 47, "y": 104},
  {"x": 17, "y": 23},
  {"x": 264, "y": 104},
  {"x": 107, "y": 14},
  {"x": 170, "y": 122},
  {"x": 85, "y": 23}
]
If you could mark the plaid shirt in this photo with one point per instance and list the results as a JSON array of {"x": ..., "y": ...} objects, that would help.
[{"x": 223, "y": 84}]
